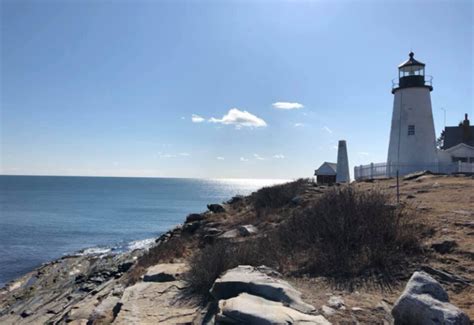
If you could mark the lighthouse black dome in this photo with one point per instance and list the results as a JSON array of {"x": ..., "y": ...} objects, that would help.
[
  {"x": 411, "y": 73},
  {"x": 411, "y": 62}
]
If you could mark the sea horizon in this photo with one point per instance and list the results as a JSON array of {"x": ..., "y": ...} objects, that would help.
[
  {"x": 45, "y": 217},
  {"x": 154, "y": 177}
]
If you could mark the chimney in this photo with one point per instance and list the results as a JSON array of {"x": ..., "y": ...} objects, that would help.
[{"x": 466, "y": 129}]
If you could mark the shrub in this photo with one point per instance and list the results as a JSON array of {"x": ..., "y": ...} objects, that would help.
[
  {"x": 278, "y": 195},
  {"x": 209, "y": 263},
  {"x": 347, "y": 232}
]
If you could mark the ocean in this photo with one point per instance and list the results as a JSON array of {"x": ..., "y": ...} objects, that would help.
[{"x": 45, "y": 217}]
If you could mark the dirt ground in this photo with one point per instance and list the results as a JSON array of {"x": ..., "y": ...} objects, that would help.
[{"x": 446, "y": 204}]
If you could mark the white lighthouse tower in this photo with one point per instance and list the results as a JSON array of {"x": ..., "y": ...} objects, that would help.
[{"x": 412, "y": 144}]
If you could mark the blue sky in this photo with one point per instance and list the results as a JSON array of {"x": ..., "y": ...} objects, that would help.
[{"x": 191, "y": 88}]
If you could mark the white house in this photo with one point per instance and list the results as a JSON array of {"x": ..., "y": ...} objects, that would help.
[{"x": 457, "y": 143}]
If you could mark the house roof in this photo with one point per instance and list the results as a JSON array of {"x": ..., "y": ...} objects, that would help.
[
  {"x": 460, "y": 146},
  {"x": 327, "y": 168},
  {"x": 453, "y": 135}
]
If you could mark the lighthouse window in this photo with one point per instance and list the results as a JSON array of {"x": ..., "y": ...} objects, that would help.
[{"x": 411, "y": 130}]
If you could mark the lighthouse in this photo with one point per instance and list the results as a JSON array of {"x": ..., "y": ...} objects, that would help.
[{"x": 412, "y": 143}]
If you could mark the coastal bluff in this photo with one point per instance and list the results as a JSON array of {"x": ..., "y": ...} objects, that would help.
[{"x": 257, "y": 260}]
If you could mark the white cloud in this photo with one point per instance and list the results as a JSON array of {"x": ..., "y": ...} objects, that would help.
[
  {"x": 167, "y": 155},
  {"x": 287, "y": 105},
  {"x": 184, "y": 154},
  {"x": 328, "y": 130},
  {"x": 334, "y": 147},
  {"x": 243, "y": 159},
  {"x": 220, "y": 158},
  {"x": 183, "y": 118},
  {"x": 197, "y": 119},
  {"x": 279, "y": 156},
  {"x": 258, "y": 157},
  {"x": 239, "y": 119},
  {"x": 297, "y": 125},
  {"x": 363, "y": 153}
]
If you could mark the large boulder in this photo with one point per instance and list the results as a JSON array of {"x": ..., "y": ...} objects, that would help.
[
  {"x": 250, "y": 309},
  {"x": 425, "y": 302},
  {"x": 257, "y": 281}
]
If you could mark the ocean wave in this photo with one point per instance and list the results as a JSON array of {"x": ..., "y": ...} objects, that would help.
[
  {"x": 121, "y": 248},
  {"x": 94, "y": 251}
]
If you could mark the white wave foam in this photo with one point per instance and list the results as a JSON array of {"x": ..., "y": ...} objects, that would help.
[
  {"x": 140, "y": 244},
  {"x": 95, "y": 251}
]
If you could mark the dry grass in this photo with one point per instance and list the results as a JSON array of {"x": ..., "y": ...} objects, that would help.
[
  {"x": 213, "y": 260},
  {"x": 277, "y": 196},
  {"x": 348, "y": 232}
]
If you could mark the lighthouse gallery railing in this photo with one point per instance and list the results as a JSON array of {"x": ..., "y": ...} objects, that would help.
[
  {"x": 384, "y": 170},
  {"x": 428, "y": 82}
]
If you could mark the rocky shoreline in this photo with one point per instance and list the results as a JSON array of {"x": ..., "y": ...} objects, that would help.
[{"x": 150, "y": 286}]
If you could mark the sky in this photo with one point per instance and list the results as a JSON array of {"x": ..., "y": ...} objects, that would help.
[{"x": 217, "y": 89}]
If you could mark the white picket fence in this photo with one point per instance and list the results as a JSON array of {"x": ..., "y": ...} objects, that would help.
[{"x": 384, "y": 170}]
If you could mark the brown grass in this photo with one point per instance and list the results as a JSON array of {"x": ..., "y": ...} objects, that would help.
[
  {"x": 347, "y": 232},
  {"x": 279, "y": 195},
  {"x": 213, "y": 260}
]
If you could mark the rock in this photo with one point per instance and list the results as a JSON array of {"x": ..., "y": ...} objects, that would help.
[
  {"x": 155, "y": 303},
  {"x": 97, "y": 279},
  {"x": 410, "y": 196},
  {"x": 194, "y": 217},
  {"x": 26, "y": 313},
  {"x": 216, "y": 208},
  {"x": 297, "y": 200},
  {"x": 230, "y": 234},
  {"x": 105, "y": 311},
  {"x": 125, "y": 266},
  {"x": 444, "y": 275},
  {"x": 416, "y": 175},
  {"x": 235, "y": 199},
  {"x": 468, "y": 224},
  {"x": 213, "y": 231},
  {"x": 249, "y": 279},
  {"x": 336, "y": 302},
  {"x": 424, "y": 301},
  {"x": 191, "y": 227},
  {"x": 164, "y": 272},
  {"x": 250, "y": 309},
  {"x": 327, "y": 311},
  {"x": 247, "y": 230},
  {"x": 445, "y": 246}
]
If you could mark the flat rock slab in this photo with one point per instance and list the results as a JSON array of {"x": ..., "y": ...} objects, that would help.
[
  {"x": 257, "y": 281},
  {"x": 250, "y": 309},
  {"x": 164, "y": 272},
  {"x": 154, "y": 303}
]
